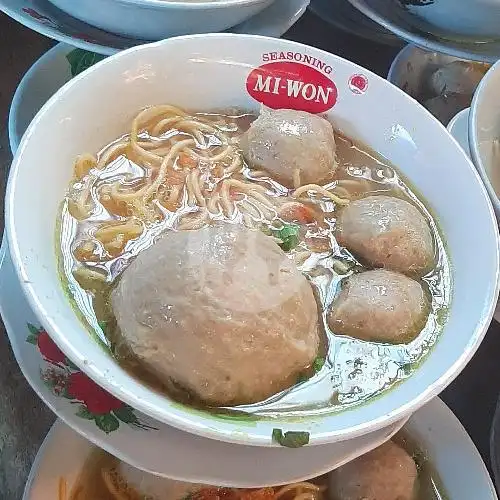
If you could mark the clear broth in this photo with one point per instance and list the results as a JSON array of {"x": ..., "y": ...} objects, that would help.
[{"x": 354, "y": 370}]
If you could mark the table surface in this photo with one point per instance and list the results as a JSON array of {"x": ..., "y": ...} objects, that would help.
[{"x": 24, "y": 420}]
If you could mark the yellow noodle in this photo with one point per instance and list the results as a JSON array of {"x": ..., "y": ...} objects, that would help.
[
  {"x": 62, "y": 488},
  {"x": 353, "y": 182},
  {"x": 192, "y": 220},
  {"x": 308, "y": 495},
  {"x": 235, "y": 164},
  {"x": 191, "y": 198},
  {"x": 227, "y": 152},
  {"x": 342, "y": 192},
  {"x": 321, "y": 190},
  {"x": 162, "y": 151},
  {"x": 78, "y": 211},
  {"x": 154, "y": 158},
  {"x": 173, "y": 197},
  {"x": 296, "y": 178},
  {"x": 84, "y": 164},
  {"x": 246, "y": 187},
  {"x": 116, "y": 491},
  {"x": 247, "y": 220},
  {"x": 151, "y": 112},
  {"x": 310, "y": 487},
  {"x": 111, "y": 153},
  {"x": 301, "y": 257},
  {"x": 213, "y": 203},
  {"x": 125, "y": 196},
  {"x": 108, "y": 232},
  {"x": 258, "y": 173},
  {"x": 196, "y": 125},
  {"x": 248, "y": 207},
  {"x": 162, "y": 125},
  {"x": 148, "y": 144},
  {"x": 195, "y": 175},
  {"x": 80, "y": 207},
  {"x": 143, "y": 117},
  {"x": 263, "y": 200},
  {"x": 174, "y": 151},
  {"x": 225, "y": 198}
]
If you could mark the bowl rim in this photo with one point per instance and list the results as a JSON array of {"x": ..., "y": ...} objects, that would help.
[
  {"x": 191, "y": 5},
  {"x": 404, "y": 52},
  {"x": 476, "y": 104},
  {"x": 183, "y": 420}
]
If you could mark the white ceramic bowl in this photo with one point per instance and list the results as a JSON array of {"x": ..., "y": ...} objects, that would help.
[
  {"x": 484, "y": 133},
  {"x": 470, "y": 18},
  {"x": 158, "y": 19},
  {"x": 434, "y": 428},
  {"x": 210, "y": 72},
  {"x": 411, "y": 71},
  {"x": 413, "y": 65}
]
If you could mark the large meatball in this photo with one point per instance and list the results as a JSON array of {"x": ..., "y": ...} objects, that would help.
[
  {"x": 387, "y": 232},
  {"x": 220, "y": 311},
  {"x": 380, "y": 306},
  {"x": 386, "y": 473},
  {"x": 292, "y": 146}
]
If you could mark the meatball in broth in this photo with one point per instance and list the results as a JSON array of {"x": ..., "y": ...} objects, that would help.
[
  {"x": 387, "y": 232},
  {"x": 294, "y": 147},
  {"x": 386, "y": 473},
  {"x": 232, "y": 260},
  {"x": 221, "y": 311},
  {"x": 379, "y": 306}
]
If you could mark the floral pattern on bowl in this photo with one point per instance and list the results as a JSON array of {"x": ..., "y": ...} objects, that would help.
[{"x": 65, "y": 380}]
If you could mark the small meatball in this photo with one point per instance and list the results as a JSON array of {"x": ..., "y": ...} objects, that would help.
[
  {"x": 381, "y": 306},
  {"x": 220, "y": 311},
  {"x": 457, "y": 77},
  {"x": 294, "y": 147},
  {"x": 387, "y": 232},
  {"x": 386, "y": 473}
]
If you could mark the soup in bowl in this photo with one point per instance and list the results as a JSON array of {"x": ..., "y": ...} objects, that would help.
[{"x": 253, "y": 240}]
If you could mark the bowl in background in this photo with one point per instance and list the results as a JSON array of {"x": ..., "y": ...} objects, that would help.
[
  {"x": 158, "y": 19},
  {"x": 484, "y": 133},
  {"x": 478, "y": 19},
  {"x": 98, "y": 105},
  {"x": 459, "y": 129},
  {"x": 412, "y": 70}
]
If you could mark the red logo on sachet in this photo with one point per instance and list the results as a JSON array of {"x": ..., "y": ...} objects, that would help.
[{"x": 291, "y": 85}]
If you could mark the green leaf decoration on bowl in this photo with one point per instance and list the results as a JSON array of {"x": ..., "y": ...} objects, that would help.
[
  {"x": 65, "y": 380},
  {"x": 80, "y": 60}
]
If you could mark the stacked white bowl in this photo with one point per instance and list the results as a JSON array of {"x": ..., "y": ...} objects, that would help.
[{"x": 158, "y": 19}]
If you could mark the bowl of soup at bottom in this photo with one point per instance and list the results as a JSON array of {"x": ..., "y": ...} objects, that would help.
[
  {"x": 433, "y": 438},
  {"x": 252, "y": 240}
]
